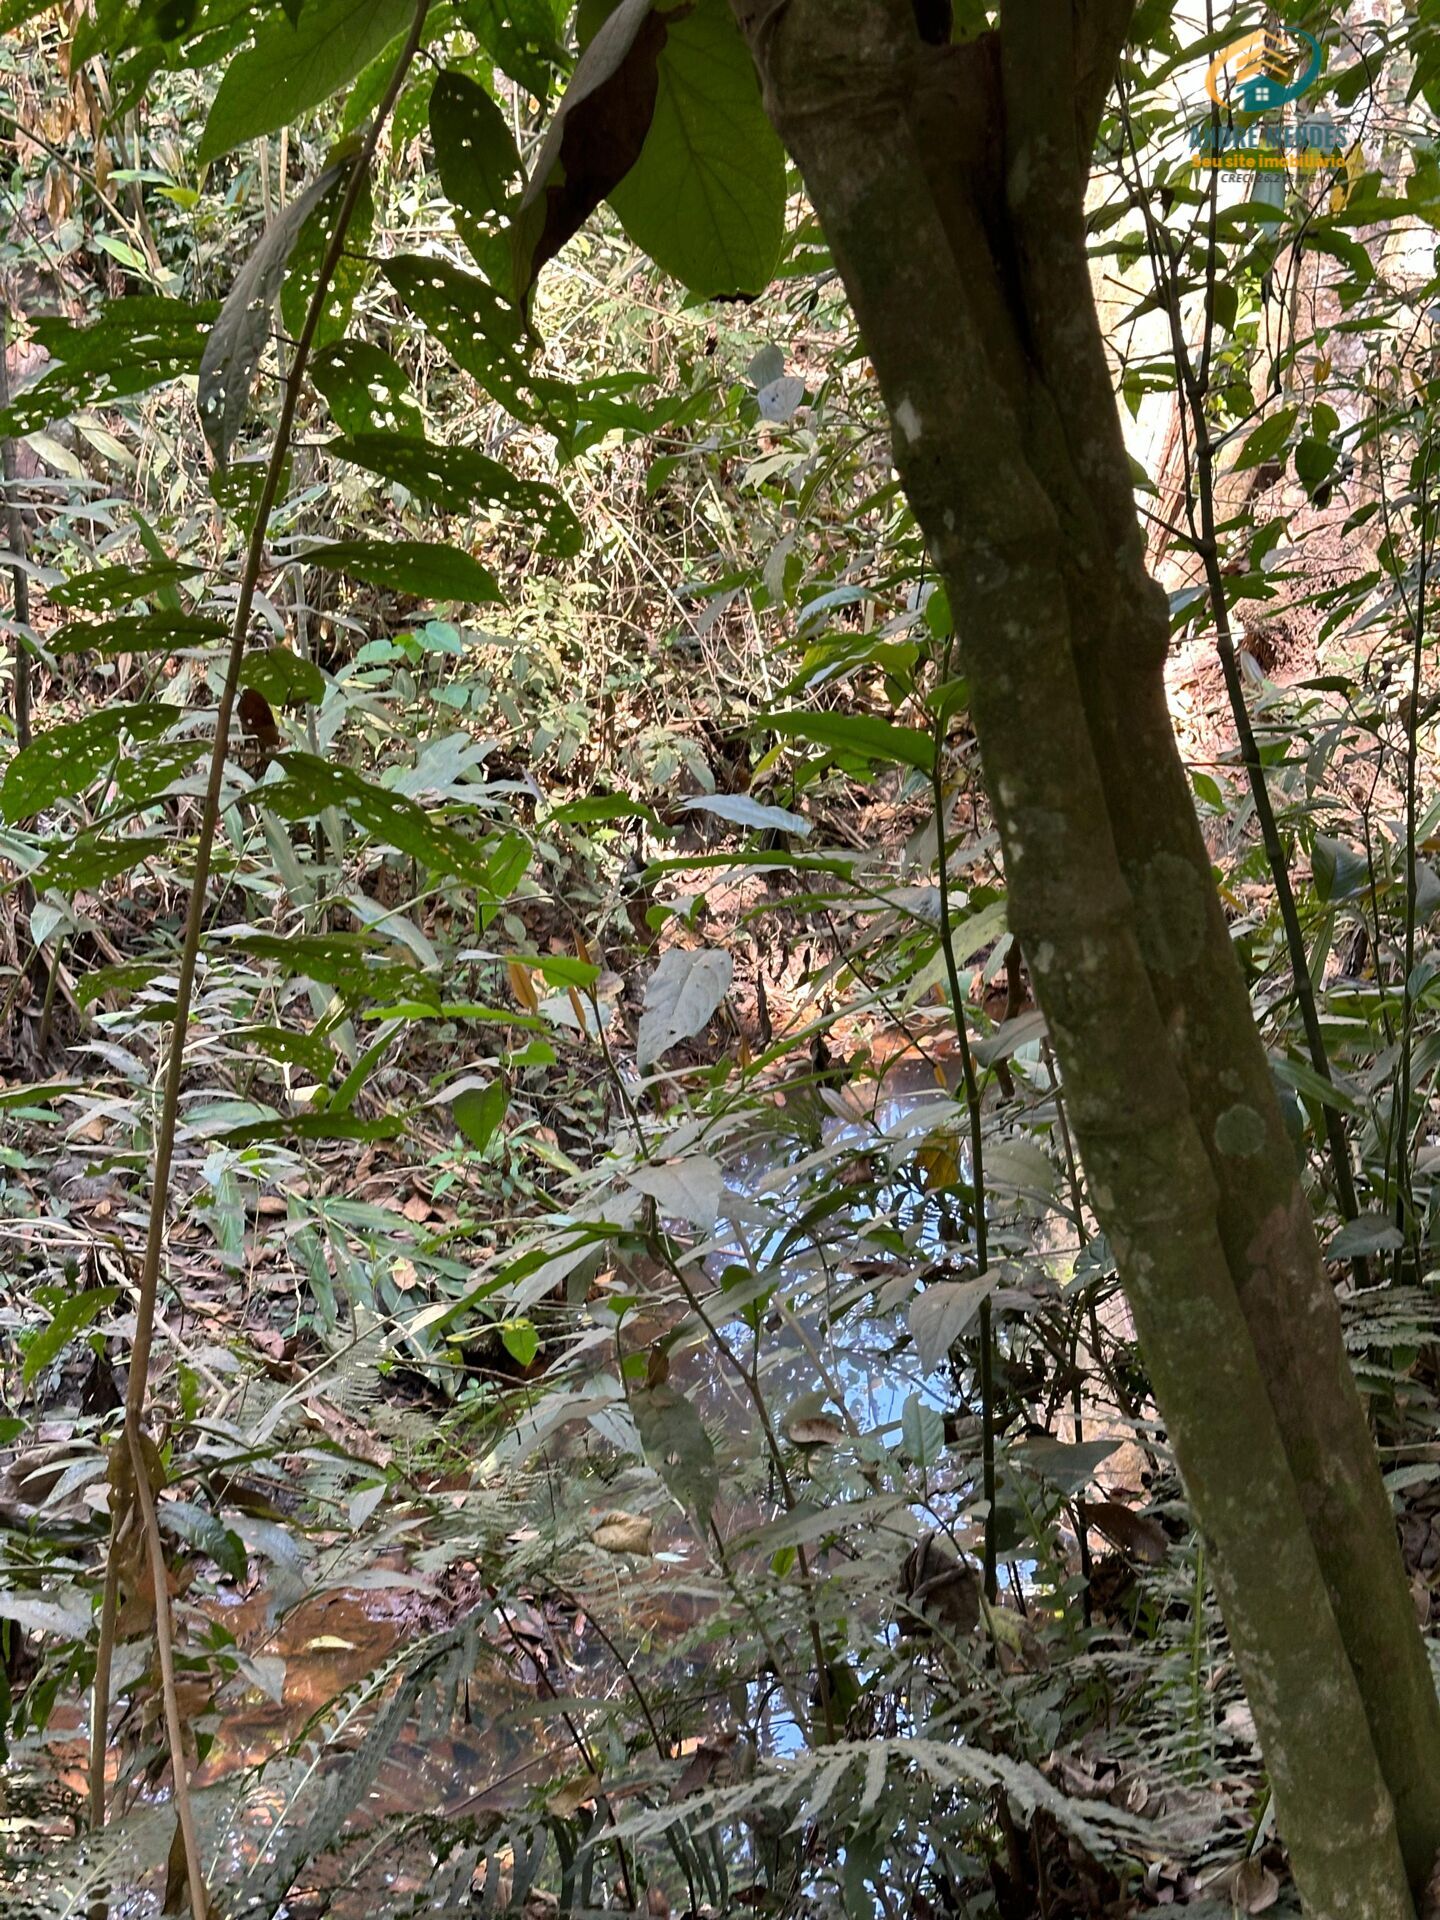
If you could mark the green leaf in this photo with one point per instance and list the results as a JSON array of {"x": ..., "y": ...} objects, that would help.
[
  {"x": 135, "y": 345},
  {"x": 1268, "y": 439},
  {"x": 65, "y": 759},
  {"x": 163, "y": 632},
  {"x": 858, "y": 734},
  {"x": 351, "y": 273},
  {"x": 744, "y": 810},
  {"x": 521, "y": 36},
  {"x": 677, "y": 1446},
  {"x": 90, "y": 858},
  {"x": 111, "y": 587},
  {"x": 126, "y": 978},
  {"x": 1066, "y": 1464},
  {"x": 357, "y": 965},
  {"x": 1340, "y": 871},
  {"x": 474, "y": 149},
  {"x": 681, "y": 996},
  {"x": 200, "y": 1528},
  {"x": 232, "y": 353},
  {"x": 1207, "y": 789},
  {"x": 479, "y": 331},
  {"x": 293, "y": 67},
  {"x": 922, "y": 1432},
  {"x": 70, "y": 1314},
  {"x": 365, "y": 390},
  {"x": 940, "y": 1313},
  {"x": 1315, "y": 461},
  {"x": 287, "y": 1044},
  {"x": 706, "y": 198},
  {"x": 430, "y": 572},
  {"x": 520, "y": 1340},
  {"x": 1370, "y": 1233},
  {"x": 312, "y": 784},
  {"x": 14, "y": 13},
  {"x": 283, "y": 677},
  {"x": 478, "y": 1112},
  {"x": 460, "y": 479}
]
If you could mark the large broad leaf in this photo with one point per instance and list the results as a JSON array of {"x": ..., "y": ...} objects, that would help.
[
  {"x": 135, "y": 345},
  {"x": 474, "y": 150},
  {"x": 484, "y": 334},
  {"x": 1340, "y": 871},
  {"x": 91, "y": 858},
  {"x": 857, "y": 734},
  {"x": 940, "y": 1314},
  {"x": 478, "y": 1111},
  {"x": 1066, "y": 1464},
  {"x": 366, "y": 391},
  {"x": 690, "y": 1189},
  {"x": 139, "y": 633},
  {"x": 479, "y": 331},
  {"x": 282, "y": 677},
  {"x": 233, "y": 350},
  {"x": 677, "y": 1447},
  {"x": 352, "y": 270},
  {"x": 706, "y": 198},
  {"x": 521, "y": 36},
  {"x": 110, "y": 587},
  {"x": 407, "y": 566},
  {"x": 922, "y": 1431},
  {"x": 200, "y": 1528},
  {"x": 295, "y": 66},
  {"x": 67, "y": 758},
  {"x": 743, "y": 810},
  {"x": 682, "y": 994},
  {"x": 595, "y": 137},
  {"x": 460, "y": 479},
  {"x": 1271, "y": 437}
]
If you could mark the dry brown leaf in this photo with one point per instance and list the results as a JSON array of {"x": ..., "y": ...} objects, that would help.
[
  {"x": 574, "y": 1794},
  {"x": 819, "y": 1430},
  {"x": 522, "y": 986},
  {"x": 620, "y": 1532}
]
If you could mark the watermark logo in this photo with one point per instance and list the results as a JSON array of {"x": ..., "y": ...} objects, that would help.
[
  {"x": 1259, "y": 72},
  {"x": 1253, "y": 81}
]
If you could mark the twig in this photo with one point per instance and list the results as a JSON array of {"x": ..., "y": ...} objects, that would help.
[
  {"x": 164, "y": 1646},
  {"x": 977, "y": 1165},
  {"x": 15, "y": 534}
]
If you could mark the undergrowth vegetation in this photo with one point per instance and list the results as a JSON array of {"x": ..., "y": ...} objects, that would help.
[{"x": 638, "y": 1411}]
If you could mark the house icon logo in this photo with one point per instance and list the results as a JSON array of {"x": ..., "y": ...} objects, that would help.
[{"x": 1263, "y": 70}]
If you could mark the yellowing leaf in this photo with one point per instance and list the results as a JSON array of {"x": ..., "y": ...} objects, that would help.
[{"x": 522, "y": 986}]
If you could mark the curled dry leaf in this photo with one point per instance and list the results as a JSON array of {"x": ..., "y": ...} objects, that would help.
[
  {"x": 620, "y": 1532},
  {"x": 817, "y": 1430},
  {"x": 1136, "y": 1534}
]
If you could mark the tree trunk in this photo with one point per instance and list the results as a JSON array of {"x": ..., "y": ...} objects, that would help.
[{"x": 950, "y": 183}]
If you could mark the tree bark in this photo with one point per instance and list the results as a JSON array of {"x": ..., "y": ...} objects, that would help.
[{"x": 950, "y": 183}]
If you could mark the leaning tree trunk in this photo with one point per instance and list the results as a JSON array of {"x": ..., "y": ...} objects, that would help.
[{"x": 950, "y": 183}]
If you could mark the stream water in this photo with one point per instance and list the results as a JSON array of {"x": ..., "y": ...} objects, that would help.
[{"x": 836, "y": 1340}]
